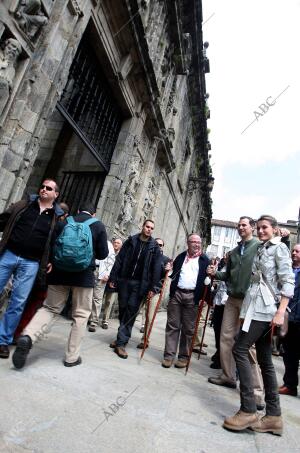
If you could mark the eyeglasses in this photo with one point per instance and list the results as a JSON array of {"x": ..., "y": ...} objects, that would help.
[
  {"x": 194, "y": 242},
  {"x": 47, "y": 188}
]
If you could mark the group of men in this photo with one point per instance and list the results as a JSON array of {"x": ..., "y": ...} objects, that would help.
[{"x": 136, "y": 271}]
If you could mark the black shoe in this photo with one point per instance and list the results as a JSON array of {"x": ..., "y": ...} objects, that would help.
[
  {"x": 141, "y": 345},
  {"x": 215, "y": 365},
  {"x": 24, "y": 344},
  {"x": 104, "y": 325},
  {"x": 4, "y": 351},
  {"x": 215, "y": 358},
  {"x": 92, "y": 329},
  {"x": 78, "y": 362},
  {"x": 142, "y": 329}
]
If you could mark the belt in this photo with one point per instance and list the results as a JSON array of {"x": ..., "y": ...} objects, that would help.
[{"x": 185, "y": 290}]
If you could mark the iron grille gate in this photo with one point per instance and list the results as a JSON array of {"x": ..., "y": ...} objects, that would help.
[
  {"x": 80, "y": 186},
  {"x": 88, "y": 104}
]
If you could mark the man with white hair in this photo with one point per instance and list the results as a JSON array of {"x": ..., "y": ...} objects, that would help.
[{"x": 187, "y": 287}]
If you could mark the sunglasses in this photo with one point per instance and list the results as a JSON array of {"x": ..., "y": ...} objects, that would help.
[
  {"x": 160, "y": 245},
  {"x": 47, "y": 188}
]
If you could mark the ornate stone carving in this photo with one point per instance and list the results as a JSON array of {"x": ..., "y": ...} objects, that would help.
[
  {"x": 8, "y": 60},
  {"x": 134, "y": 179},
  {"x": 75, "y": 8},
  {"x": 144, "y": 4},
  {"x": 172, "y": 97},
  {"x": 188, "y": 49},
  {"x": 30, "y": 17},
  {"x": 150, "y": 199}
]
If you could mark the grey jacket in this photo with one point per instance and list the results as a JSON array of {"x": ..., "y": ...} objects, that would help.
[{"x": 272, "y": 277}]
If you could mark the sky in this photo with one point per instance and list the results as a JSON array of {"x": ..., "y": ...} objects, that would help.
[{"x": 254, "y": 53}]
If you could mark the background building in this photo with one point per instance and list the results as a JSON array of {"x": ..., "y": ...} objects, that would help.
[
  {"x": 108, "y": 97},
  {"x": 224, "y": 237}
]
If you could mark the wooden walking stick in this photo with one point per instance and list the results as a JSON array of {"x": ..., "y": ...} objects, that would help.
[
  {"x": 199, "y": 313},
  {"x": 148, "y": 301},
  {"x": 148, "y": 332}
]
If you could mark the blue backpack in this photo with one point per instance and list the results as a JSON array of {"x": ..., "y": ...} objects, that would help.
[{"x": 73, "y": 249}]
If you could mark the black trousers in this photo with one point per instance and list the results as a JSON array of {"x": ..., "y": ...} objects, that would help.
[
  {"x": 260, "y": 334},
  {"x": 291, "y": 355},
  {"x": 217, "y": 324},
  {"x": 129, "y": 305}
]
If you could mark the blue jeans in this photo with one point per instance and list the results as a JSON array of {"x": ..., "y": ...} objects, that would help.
[{"x": 24, "y": 273}]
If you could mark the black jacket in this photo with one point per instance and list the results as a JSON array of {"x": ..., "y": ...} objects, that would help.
[
  {"x": 82, "y": 279},
  {"x": 199, "y": 290},
  {"x": 294, "y": 304},
  {"x": 152, "y": 264}
]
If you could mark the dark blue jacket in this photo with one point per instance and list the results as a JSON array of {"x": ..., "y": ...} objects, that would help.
[
  {"x": 294, "y": 303},
  {"x": 203, "y": 263}
]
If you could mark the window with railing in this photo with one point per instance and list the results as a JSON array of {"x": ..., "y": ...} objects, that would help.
[{"x": 88, "y": 104}]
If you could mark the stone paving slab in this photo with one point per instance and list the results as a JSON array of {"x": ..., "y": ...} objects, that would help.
[{"x": 108, "y": 404}]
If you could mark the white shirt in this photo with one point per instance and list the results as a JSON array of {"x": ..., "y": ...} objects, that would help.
[{"x": 189, "y": 274}]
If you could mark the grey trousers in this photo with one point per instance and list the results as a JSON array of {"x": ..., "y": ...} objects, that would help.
[
  {"x": 260, "y": 334},
  {"x": 181, "y": 317},
  {"x": 229, "y": 330}
]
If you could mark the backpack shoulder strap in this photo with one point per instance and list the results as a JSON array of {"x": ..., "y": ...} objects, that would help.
[
  {"x": 90, "y": 221},
  {"x": 70, "y": 219}
]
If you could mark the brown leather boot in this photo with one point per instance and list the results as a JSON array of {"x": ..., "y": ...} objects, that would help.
[
  {"x": 121, "y": 352},
  {"x": 181, "y": 363},
  {"x": 269, "y": 424},
  {"x": 241, "y": 420},
  {"x": 167, "y": 363}
]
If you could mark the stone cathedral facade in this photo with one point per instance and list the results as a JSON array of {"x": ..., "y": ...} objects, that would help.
[{"x": 108, "y": 98}]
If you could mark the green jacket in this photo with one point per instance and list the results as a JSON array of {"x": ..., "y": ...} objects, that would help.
[{"x": 239, "y": 268}]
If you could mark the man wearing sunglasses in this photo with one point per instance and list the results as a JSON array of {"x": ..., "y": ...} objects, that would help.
[
  {"x": 24, "y": 250},
  {"x": 66, "y": 277}
]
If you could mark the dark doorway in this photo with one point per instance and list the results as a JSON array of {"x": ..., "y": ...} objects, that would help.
[{"x": 78, "y": 186}]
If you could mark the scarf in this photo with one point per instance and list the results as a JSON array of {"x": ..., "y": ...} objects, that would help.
[{"x": 190, "y": 257}]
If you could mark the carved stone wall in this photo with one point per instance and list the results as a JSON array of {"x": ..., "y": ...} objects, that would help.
[{"x": 144, "y": 58}]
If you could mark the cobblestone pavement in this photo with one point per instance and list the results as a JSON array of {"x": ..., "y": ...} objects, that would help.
[{"x": 108, "y": 404}]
